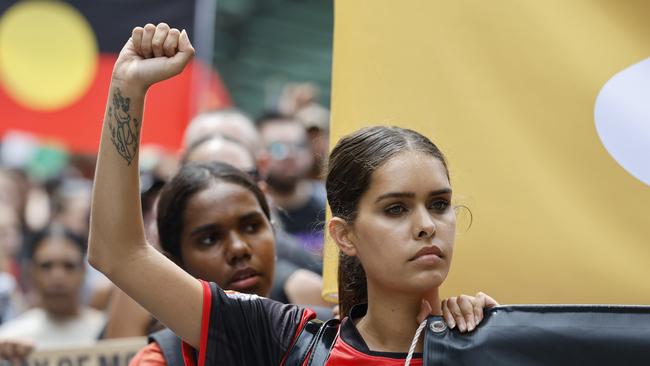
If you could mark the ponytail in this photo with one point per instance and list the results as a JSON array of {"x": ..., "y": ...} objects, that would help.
[{"x": 353, "y": 288}]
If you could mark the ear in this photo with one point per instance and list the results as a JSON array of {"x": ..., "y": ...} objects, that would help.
[{"x": 341, "y": 231}]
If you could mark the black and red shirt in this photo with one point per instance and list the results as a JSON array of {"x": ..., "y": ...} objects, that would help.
[{"x": 244, "y": 329}]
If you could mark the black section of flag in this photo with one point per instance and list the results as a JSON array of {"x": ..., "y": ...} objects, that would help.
[{"x": 113, "y": 20}]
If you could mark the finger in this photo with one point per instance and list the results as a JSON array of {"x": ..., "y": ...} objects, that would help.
[
  {"x": 11, "y": 350},
  {"x": 489, "y": 301},
  {"x": 159, "y": 39},
  {"x": 23, "y": 349},
  {"x": 455, "y": 311},
  {"x": 147, "y": 38},
  {"x": 136, "y": 38},
  {"x": 479, "y": 305},
  {"x": 467, "y": 308},
  {"x": 170, "y": 47},
  {"x": 446, "y": 313},
  {"x": 184, "y": 54}
]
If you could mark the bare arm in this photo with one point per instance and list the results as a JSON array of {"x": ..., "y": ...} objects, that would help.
[
  {"x": 117, "y": 244},
  {"x": 126, "y": 318}
]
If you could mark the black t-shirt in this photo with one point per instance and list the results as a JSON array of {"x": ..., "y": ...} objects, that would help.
[
  {"x": 244, "y": 329},
  {"x": 307, "y": 222}
]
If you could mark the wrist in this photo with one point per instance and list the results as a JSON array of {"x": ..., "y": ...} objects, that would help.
[{"x": 128, "y": 85}]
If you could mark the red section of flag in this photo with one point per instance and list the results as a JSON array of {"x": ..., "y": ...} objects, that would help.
[{"x": 168, "y": 108}]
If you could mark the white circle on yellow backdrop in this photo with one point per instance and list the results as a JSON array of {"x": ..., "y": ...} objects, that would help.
[{"x": 48, "y": 54}]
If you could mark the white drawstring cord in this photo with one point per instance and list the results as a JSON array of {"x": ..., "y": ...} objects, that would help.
[{"x": 409, "y": 356}]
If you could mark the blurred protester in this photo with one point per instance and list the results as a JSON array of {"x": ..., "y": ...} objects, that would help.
[
  {"x": 14, "y": 228},
  {"x": 315, "y": 118},
  {"x": 10, "y": 297},
  {"x": 13, "y": 192},
  {"x": 302, "y": 201},
  {"x": 156, "y": 163},
  {"x": 230, "y": 123},
  {"x": 222, "y": 148},
  {"x": 57, "y": 270},
  {"x": 299, "y": 101},
  {"x": 71, "y": 205},
  {"x": 10, "y": 240}
]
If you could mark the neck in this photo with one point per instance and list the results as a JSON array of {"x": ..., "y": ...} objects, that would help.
[
  {"x": 61, "y": 315},
  {"x": 391, "y": 320}
]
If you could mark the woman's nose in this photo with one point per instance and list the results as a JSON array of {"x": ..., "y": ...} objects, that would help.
[
  {"x": 424, "y": 226},
  {"x": 238, "y": 248}
]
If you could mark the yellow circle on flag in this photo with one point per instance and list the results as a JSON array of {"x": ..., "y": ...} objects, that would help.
[{"x": 48, "y": 54}]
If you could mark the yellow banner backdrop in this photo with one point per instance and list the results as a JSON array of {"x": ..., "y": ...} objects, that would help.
[{"x": 533, "y": 103}]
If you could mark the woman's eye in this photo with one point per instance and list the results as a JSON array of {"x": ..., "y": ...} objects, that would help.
[
  {"x": 439, "y": 205},
  {"x": 395, "y": 210},
  {"x": 209, "y": 239},
  {"x": 251, "y": 227}
]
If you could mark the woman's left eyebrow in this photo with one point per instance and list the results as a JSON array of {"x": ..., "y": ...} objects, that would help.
[
  {"x": 395, "y": 195},
  {"x": 411, "y": 194},
  {"x": 440, "y": 192},
  {"x": 250, "y": 215}
]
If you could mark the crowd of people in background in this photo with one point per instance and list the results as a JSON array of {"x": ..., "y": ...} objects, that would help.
[{"x": 51, "y": 297}]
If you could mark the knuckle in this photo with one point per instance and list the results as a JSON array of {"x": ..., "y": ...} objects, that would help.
[{"x": 456, "y": 311}]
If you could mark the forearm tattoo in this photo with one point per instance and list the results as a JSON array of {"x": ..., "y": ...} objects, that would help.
[{"x": 125, "y": 130}]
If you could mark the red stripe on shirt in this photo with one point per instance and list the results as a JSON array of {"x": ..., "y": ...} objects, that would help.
[{"x": 205, "y": 324}]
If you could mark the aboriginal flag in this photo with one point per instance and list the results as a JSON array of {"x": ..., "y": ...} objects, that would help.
[{"x": 56, "y": 60}]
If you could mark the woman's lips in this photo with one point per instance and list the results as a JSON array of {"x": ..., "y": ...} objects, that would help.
[
  {"x": 427, "y": 259},
  {"x": 429, "y": 255},
  {"x": 245, "y": 283},
  {"x": 244, "y": 279}
]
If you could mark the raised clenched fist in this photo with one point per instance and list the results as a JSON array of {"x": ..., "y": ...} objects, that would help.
[{"x": 152, "y": 54}]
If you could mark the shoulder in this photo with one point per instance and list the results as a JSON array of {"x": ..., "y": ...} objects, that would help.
[{"x": 23, "y": 324}]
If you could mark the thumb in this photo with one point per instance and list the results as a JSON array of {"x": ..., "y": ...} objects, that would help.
[{"x": 425, "y": 311}]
